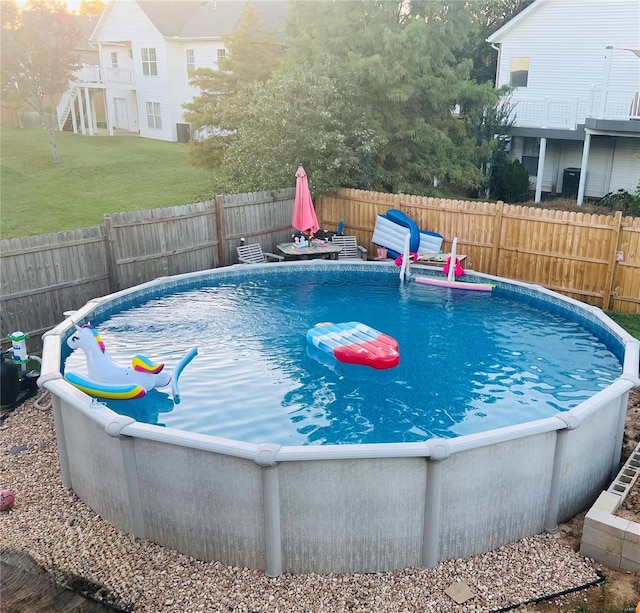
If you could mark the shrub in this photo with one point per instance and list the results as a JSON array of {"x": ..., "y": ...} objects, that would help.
[
  {"x": 622, "y": 200},
  {"x": 509, "y": 181}
]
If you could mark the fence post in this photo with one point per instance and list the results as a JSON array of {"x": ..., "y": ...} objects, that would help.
[
  {"x": 613, "y": 262},
  {"x": 222, "y": 241},
  {"x": 112, "y": 260},
  {"x": 497, "y": 234}
]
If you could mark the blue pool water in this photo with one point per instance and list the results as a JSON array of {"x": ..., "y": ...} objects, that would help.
[{"x": 470, "y": 361}]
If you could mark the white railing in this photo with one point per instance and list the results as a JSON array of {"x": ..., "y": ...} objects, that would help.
[
  {"x": 567, "y": 113},
  {"x": 91, "y": 76},
  {"x": 104, "y": 75},
  {"x": 610, "y": 103},
  {"x": 64, "y": 106}
]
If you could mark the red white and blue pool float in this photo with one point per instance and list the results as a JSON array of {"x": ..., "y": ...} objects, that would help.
[
  {"x": 111, "y": 381},
  {"x": 353, "y": 342}
]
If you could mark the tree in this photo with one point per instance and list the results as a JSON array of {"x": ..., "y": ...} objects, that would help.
[
  {"x": 487, "y": 16},
  {"x": 311, "y": 120},
  {"x": 91, "y": 8},
  {"x": 392, "y": 75},
  {"x": 253, "y": 54},
  {"x": 38, "y": 58},
  {"x": 9, "y": 21},
  {"x": 400, "y": 58}
]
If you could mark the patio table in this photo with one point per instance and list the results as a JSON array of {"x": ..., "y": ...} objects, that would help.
[{"x": 317, "y": 249}]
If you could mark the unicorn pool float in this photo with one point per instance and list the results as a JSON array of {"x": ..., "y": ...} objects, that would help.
[{"x": 114, "y": 382}]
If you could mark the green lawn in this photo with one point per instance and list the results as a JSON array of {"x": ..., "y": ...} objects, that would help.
[
  {"x": 96, "y": 175},
  {"x": 628, "y": 321},
  {"x": 102, "y": 174}
]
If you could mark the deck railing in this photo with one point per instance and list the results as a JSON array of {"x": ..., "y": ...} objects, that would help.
[
  {"x": 567, "y": 113},
  {"x": 104, "y": 75}
]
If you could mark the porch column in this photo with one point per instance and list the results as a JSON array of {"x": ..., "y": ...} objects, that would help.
[
  {"x": 83, "y": 129},
  {"x": 74, "y": 121},
  {"x": 88, "y": 107},
  {"x": 583, "y": 166},
  {"x": 107, "y": 112},
  {"x": 115, "y": 117},
  {"x": 541, "y": 156}
]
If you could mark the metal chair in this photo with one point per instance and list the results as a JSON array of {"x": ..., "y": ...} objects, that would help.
[
  {"x": 350, "y": 248},
  {"x": 253, "y": 254}
]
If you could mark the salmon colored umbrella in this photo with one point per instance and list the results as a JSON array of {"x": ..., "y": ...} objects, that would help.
[{"x": 304, "y": 215}]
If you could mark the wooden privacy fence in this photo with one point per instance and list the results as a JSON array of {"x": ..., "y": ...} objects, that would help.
[
  {"x": 593, "y": 258},
  {"x": 44, "y": 276}
]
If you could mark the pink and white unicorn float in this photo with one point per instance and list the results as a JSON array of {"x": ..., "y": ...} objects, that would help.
[{"x": 114, "y": 382}]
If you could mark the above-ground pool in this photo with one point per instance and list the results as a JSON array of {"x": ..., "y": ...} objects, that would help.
[{"x": 504, "y": 417}]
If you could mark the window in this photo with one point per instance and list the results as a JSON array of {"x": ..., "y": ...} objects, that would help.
[
  {"x": 222, "y": 53},
  {"x": 114, "y": 59},
  {"x": 519, "y": 71},
  {"x": 530, "y": 154},
  {"x": 191, "y": 60},
  {"x": 154, "y": 120},
  {"x": 149, "y": 62}
]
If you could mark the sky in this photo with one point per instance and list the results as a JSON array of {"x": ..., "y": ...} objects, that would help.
[{"x": 72, "y": 5}]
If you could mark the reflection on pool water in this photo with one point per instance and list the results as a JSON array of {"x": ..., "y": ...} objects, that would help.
[{"x": 470, "y": 361}]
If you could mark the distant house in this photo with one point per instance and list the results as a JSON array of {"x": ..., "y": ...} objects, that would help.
[
  {"x": 575, "y": 66},
  {"x": 147, "y": 49}
]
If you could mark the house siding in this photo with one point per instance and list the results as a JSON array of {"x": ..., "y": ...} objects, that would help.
[
  {"x": 580, "y": 66},
  {"x": 126, "y": 27},
  {"x": 626, "y": 166},
  {"x": 127, "y": 23},
  {"x": 565, "y": 42},
  {"x": 205, "y": 56}
]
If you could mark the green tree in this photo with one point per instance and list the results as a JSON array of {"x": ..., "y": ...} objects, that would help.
[
  {"x": 9, "y": 21},
  {"x": 401, "y": 58},
  {"x": 392, "y": 75},
  {"x": 487, "y": 16},
  {"x": 253, "y": 54},
  {"x": 91, "y": 8},
  {"x": 310, "y": 120},
  {"x": 38, "y": 58}
]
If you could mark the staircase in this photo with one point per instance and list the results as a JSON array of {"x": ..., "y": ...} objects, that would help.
[{"x": 66, "y": 103}]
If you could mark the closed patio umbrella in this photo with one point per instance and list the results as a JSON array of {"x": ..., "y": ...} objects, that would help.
[{"x": 304, "y": 215}]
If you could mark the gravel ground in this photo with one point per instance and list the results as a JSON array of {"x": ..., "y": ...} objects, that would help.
[{"x": 69, "y": 541}]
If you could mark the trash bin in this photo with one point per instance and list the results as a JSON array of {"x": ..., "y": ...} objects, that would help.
[
  {"x": 183, "y": 131},
  {"x": 570, "y": 182}
]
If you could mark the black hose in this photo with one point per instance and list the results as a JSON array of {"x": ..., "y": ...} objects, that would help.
[{"x": 571, "y": 590}]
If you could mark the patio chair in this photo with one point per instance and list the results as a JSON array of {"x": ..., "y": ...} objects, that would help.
[
  {"x": 253, "y": 254},
  {"x": 350, "y": 248}
]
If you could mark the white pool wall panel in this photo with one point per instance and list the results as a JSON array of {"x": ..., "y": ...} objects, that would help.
[
  {"x": 495, "y": 494},
  {"x": 590, "y": 456},
  {"x": 96, "y": 464},
  {"x": 349, "y": 516},
  {"x": 206, "y": 504}
]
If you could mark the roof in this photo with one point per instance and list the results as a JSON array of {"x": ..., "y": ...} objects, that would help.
[
  {"x": 208, "y": 18},
  {"x": 498, "y": 34},
  {"x": 85, "y": 26}
]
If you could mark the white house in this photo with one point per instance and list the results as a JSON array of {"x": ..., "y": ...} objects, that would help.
[
  {"x": 575, "y": 66},
  {"x": 147, "y": 49}
]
